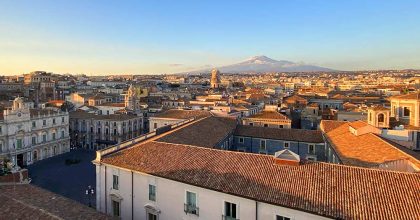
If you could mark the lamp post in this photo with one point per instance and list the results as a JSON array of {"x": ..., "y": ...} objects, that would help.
[{"x": 90, "y": 192}]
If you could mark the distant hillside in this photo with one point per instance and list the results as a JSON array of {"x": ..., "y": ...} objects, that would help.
[{"x": 262, "y": 64}]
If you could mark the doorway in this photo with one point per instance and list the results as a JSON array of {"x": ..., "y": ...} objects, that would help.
[{"x": 19, "y": 159}]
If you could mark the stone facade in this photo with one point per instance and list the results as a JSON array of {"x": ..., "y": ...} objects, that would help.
[{"x": 28, "y": 135}]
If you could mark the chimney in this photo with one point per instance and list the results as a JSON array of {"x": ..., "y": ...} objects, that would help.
[{"x": 286, "y": 157}]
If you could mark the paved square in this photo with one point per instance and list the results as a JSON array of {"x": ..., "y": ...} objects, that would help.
[{"x": 70, "y": 181}]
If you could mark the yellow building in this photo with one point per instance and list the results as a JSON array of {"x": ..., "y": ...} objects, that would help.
[{"x": 406, "y": 109}]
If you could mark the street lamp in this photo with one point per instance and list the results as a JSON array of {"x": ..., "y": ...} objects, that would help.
[{"x": 90, "y": 192}]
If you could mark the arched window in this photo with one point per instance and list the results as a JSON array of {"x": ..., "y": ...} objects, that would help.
[{"x": 381, "y": 117}]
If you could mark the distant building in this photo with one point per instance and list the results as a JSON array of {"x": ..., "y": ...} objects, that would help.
[
  {"x": 94, "y": 131},
  {"x": 378, "y": 116},
  {"x": 215, "y": 79},
  {"x": 133, "y": 96},
  {"x": 406, "y": 109},
  {"x": 266, "y": 118}
]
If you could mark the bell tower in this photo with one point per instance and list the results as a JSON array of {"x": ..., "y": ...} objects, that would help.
[{"x": 378, "y": 116}]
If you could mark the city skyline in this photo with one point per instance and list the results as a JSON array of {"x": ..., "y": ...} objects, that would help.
[{"x": 163, "y": 37}]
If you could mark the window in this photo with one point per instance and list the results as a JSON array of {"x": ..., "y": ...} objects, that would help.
[
  {"x": 44, "y": 138},
  {"x": 155, "y": 125},
  {"x": 286, "y": 145},
  {"x": 33, "y": 140},
  {"x": 381, "y": 118},
  {"x": 280, "y": 126},
  {"x": 151, "y": 216},
  {"x": 53, "y": 136},
  {"x": 33, "y": 124},
  {"x": 62, "y": 134},
  {"x": 266, "y": 125},
  {"x": 116, "y": 208},
  {"x": 0, "y": 129},
  {"x": 19, "y": 143},
  {"x": 191, "y": 203},
  {"x": 311, "y": 149},
  {"x": 406, "y": 112},
  {"x": 279, "y": 217},
  {"x": 230, "y": 211},
  {"x": 62, "y": 119},
  {"x": 115, "y": 184},
  {"x": 251, "y": 124},
  {"x": 241, "y": 140},
  {"x": 152, "y": 192},
  {"x": 53, "y": 120},
  {"x": 44, "y": 122},
  {"x": 263, "y": 148}
]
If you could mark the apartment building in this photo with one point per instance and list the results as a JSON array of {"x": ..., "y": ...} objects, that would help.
[
  {"x": 308, "y": 144},
  {"x": 95, "y": 131},
  {"x": 155, "y": 180}
]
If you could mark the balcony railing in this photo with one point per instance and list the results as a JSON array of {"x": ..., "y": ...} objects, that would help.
[
  {"x": 224, "y": 217},
  {"x": 192, "y": 209}
]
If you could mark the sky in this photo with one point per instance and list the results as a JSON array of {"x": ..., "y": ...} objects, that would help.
[{"x": 151, "y": 37}]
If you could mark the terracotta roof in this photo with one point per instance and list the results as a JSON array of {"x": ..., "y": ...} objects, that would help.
[
  {"x": 328, "y": 125},
  {"x": 294, "y": 98},
  {"x": 301, "y": 135},
  {"x": 414, "y": 96},
  {"x": 330, "y": 190},
  {"x": 183, "y": 114},
  {"x": 31, "y": 202},
  {"x": 358, "y": 124},
  {"x": 379, "y": 108},
  {"x": 205, "y": 133},
  {"x": 367, "y": 150},
  {"x": 269, "y": 115}
]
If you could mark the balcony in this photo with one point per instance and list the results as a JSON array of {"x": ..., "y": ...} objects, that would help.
[
  {"x": 191, "y": 209},
  {"x": 224, "y": 217}
]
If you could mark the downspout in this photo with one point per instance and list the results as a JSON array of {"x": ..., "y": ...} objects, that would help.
[
  {"x": 132, "y": 196},
  {"x": 256, "y": 210},
  {"x": 106, "y": 204},
  {"x": 298, "y": 148},
  {"x": 251, "y": 145}
]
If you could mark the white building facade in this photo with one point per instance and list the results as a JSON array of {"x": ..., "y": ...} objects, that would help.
[
  {"x": 28, "y": 135},
  {"x": 135, "y": 195}
]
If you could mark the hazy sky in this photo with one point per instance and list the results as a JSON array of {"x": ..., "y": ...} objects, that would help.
[{"x": 108, "y": 37}]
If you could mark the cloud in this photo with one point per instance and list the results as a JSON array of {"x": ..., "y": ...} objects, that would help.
[{"x": 176, "y": 64}]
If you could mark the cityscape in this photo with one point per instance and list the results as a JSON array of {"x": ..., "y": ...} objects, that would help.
[{"x": 153, "y": 111}]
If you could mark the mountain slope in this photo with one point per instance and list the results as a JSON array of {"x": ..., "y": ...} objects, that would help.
[{"x": 266, "y": 64}]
